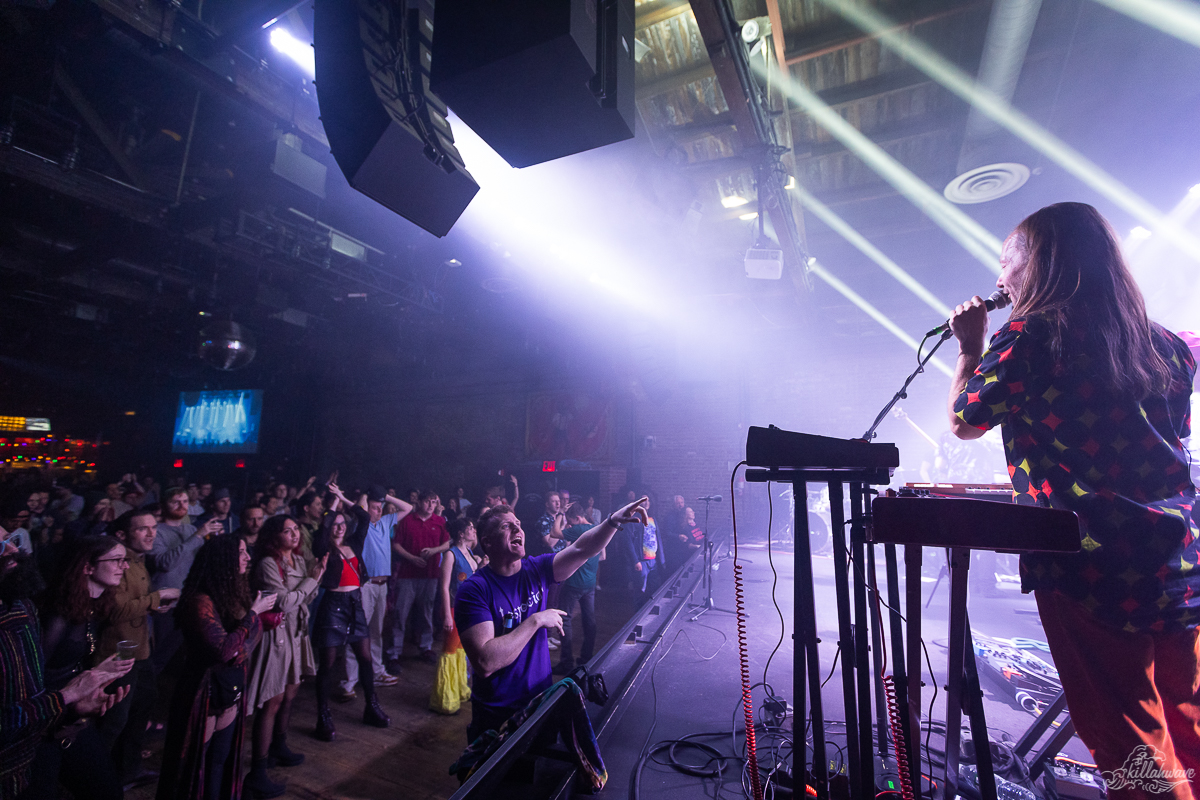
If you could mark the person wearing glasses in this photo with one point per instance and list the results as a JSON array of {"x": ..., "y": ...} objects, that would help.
[
  {"x": 32, "y": 713},
  {"x": 123, "y": 728},
  {"x": 79, "y": 603}
]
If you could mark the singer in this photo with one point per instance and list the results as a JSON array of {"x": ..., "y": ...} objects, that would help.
[{"x": 1093, "y": 400}]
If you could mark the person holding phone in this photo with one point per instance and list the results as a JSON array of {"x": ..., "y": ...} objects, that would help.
[
  {"x": 202, "y": 759},
  {"x": 32, "y": 711},
  {"x": 77, "y": 602}
]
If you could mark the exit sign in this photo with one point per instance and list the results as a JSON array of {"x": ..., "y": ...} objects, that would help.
[{"x": 549, "y": 466}]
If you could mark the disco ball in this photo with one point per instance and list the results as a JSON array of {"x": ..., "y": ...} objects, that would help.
[{"x": 226, "y": 346}]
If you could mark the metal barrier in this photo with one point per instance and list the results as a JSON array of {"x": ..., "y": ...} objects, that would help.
[{"x": 667, "y": 603}]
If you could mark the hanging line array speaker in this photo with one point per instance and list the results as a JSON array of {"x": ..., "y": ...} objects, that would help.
[
  {"x": 537, "y": 80},
  {"x": 387, "y": 131}
]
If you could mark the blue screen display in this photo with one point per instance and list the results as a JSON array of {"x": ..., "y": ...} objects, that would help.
[{"x": 217, "y": 422}]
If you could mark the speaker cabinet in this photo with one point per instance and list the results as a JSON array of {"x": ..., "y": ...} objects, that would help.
[
  {"x": 387, "y": 134},
  {"x": 537, "y": 80}
]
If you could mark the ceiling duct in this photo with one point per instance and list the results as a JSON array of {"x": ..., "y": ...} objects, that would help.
[{"x": 986, "y": 166}]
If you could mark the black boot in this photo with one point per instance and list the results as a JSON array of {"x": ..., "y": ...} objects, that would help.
[
  {"x": 259, "y": 784},
  {"x": 374, "y": 714},
  {"x": 281, "y": 755},
  {"x": 325, "y": 730}
]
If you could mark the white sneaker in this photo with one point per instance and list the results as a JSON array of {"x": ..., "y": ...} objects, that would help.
[{"x": 554, "y": 643}]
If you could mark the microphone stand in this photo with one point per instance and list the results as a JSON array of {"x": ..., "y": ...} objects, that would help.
[
  {"x": 709, "y": 550},
  {"x": 903, "y": 393}
]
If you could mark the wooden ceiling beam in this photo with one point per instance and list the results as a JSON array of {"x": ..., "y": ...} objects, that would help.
[
  {"x": 877, "y": 85},
  {"x": 842, "y": 35},
  {"x": 661, "y": 84},
  {"x": 657, "y": 11},
  {"x": 777, "y": 37}
]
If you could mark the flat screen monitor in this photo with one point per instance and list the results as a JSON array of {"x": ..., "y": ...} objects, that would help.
[{"x": 217, "y": 422}]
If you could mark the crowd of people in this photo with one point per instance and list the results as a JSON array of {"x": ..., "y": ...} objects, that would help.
[{"x": 124, "y": 591}]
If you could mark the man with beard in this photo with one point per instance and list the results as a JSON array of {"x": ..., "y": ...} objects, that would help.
[
  {"x": 28, "y": 713},
  {"x": 132, "y": 603},
  {"x": 503, "y": 617},
  {"x": 252, "y": 519},
  {"x": 175, "y": 547}
]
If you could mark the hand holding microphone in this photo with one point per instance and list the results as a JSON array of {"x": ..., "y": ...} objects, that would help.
[{"x": 998, "y": 299}]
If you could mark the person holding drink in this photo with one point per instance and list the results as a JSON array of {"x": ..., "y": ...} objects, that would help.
[{"x": 127, "y": 635}]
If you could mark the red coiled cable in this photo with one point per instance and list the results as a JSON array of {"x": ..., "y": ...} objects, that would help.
[
  {"x": 898, "y": 742},
  {"x": 739, "y": 595},
  {"x": 889, "y": 694}
]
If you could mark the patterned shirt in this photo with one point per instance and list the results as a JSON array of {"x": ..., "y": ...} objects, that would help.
[
  {"x": 1072, "y": 443},
  {"x": 27, "y": 710}
]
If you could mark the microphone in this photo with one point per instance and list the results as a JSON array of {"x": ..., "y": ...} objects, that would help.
[
  {"x": 712, "y": 498},
  {"x": 998, "y": 299}
]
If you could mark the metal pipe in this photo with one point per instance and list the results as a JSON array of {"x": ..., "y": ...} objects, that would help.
[{"x": 187, "y": 149}]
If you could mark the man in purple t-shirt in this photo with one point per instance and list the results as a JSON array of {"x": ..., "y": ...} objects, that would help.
[{"x": 502, "y": 612}]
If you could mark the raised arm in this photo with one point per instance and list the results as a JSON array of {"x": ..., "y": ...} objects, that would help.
[
  {"x": 969, "y": 324},
  {"x": 590, "y": 543},
  {"x": 405, "y": 508},
  {"x": 206, "y": 631},
  {"x": 166, "y": 556}
]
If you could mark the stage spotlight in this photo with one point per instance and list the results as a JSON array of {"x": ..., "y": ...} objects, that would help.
[
  {"x": 748, "y": 217},
  {"x": 294, "y": 49},
  {"x": 733, "y": 201},
  {"x": 1139, "y": 233}
]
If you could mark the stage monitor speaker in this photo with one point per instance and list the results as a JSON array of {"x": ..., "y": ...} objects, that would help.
[
  {"x": 537, "y": 81},
  {"x": 388, "y": 135}
]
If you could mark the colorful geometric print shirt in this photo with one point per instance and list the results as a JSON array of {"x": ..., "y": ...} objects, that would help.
[{"x": 1072, "y": 443}]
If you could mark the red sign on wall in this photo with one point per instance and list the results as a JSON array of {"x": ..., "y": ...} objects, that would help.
[{"x": 549, "y": 466}]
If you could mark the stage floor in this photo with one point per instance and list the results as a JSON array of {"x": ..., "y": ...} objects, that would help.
[{"x": 695, "y": 685}]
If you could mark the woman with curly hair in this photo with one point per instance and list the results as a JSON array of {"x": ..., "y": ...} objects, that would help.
[
  {"x": 221, "y": 625},
  {"x": 77, "y": 606},
  {"x": 285, "y": 653}
]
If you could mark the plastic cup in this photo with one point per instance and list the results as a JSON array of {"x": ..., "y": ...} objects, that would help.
[{"x": 126, "y": 650}]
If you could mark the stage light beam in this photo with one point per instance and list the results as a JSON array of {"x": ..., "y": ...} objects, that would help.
[
  {"x": 972, "y": 236},
  {"x": 874, "y": 313},
  {"x": 1173, "y": 17},
  {"x": 843, "y": 228},
  {"x": 960, "y": 83}
]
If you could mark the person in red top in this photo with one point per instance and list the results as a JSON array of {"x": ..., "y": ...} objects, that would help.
[{"x": 415, "y": 573}]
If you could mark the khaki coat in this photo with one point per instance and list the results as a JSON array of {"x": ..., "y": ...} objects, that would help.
[{"x": 284, "y": 654}]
